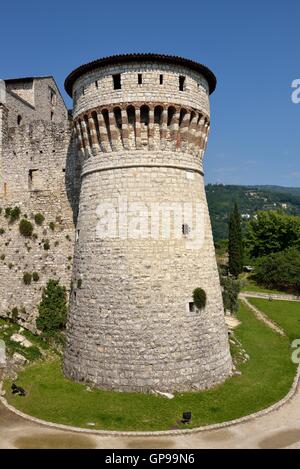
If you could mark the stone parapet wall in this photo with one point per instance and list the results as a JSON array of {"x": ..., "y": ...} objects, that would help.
[{"x": 96, "y": 88}]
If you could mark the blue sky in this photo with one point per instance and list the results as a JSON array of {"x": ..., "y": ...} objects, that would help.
[{"x": 252, "y": 47}]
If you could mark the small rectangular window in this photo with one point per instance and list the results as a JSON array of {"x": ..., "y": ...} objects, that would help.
[
  {"x": 185, "y": 229},
  {"x": 140, "y": 78},
  {"x": 161, "y": 79},
  {"x": 181, "y": 83},
  {"x": 117, "y": 81},
  {"x": 35, "y": 181}
]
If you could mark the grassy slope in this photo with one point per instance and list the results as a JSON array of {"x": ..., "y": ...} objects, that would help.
[
  {"x": 265, "y": 378},
  {"x": 7, "y": 329},
  {"x": 285, "y": 313}
]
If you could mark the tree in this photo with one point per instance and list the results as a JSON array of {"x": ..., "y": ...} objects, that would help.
[
  {"x": 272, "y": 231},
  {"x": 52, "y": 308},
  {"x": 235, "y": 243},
  {"x": 280, "y": 270}
]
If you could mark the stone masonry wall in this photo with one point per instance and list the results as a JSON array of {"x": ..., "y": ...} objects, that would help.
[
  {"x": 41, "y": 101},
  {"x": 38, "y": 174},
  {"x": 132, "y": 324}
]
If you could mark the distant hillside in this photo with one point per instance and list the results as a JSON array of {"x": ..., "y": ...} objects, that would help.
[{"x": 221, "y": 199}]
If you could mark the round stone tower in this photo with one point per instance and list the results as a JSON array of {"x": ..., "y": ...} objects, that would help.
[{"x": 143, "y": 236}]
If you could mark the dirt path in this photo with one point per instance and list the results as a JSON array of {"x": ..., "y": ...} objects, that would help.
[
  {"x": 262, "y": 317},
  {"x": 267, "y": 296},
  {"x": 279, "y": 429}
]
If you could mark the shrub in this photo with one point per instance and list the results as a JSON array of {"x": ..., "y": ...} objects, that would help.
[
  {"x": 35, "y": 276},
  {"x": 279, "y": 270},
  {"x": 79, "y": 283},
  {"x": 14, "y": 214},
  {"x": 39, "y": 218},
  {"x": 7, "y": 212},
  {"x": 56, "y": 243},
  {"x": 14, "y": 314},
  {"x": 27, "y": 278},
  {"x": 35, "y": 236},
  {"x": 199, "y": 297},
  {"x": 52, "y": 309},
  {"x": 25, "y": 228},
  {"x": 10, "y": 265},
  {"x": 230, "y": 293},
  {"x": 52, "y": 225},
  {"x": 2, "y": 231},
  {"x": 46, "y": 245},
  {"x": 2, "y": 257}
]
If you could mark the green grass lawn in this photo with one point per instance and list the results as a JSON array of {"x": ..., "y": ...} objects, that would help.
[
  {"x": 284, "y": 313},
  {"x": 265, "y": 379}
]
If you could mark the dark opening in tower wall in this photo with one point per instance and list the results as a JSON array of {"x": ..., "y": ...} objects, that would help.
[
  {"x": 181, "y": 82},
  {"x": 117, "y": 81}
]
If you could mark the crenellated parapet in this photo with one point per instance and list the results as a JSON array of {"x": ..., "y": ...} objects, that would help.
[{"x": 142, "y": 126}]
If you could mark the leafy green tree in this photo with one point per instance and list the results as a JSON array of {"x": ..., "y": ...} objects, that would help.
[
  {"x": 271, "y": 232},
  {"x": 52, "y": 309},
  {"x": 235, "y": 243},
  {"x": 280, "y": 270}
]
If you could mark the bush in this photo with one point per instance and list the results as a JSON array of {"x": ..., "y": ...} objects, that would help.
[
  {"x": 14, "y": 314},
  {"x": 52, "y": 309},
  {"x": 79, "y": 283},
  {"x": 14, "y": 214},
  {"x": 2, "y": 257},
  {"x": 230, "y": 293},
  {"x": 25, "y": 228},
  {"x": 7, "y": 212},
  {"x": 27, "y": 278},
  {"x": 35, "y": 276},
  {"x": 199, "y": 297},
  {"x": 46, "y": 245},
  {"x": 52, "y": 225},
  {"x": 279, "y": 270},
  {"x": 39, "y": 218},
  {"x": 2, "y": 231}
]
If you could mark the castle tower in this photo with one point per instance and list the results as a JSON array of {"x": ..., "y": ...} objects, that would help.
[{"x": 143, "y": 239}]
